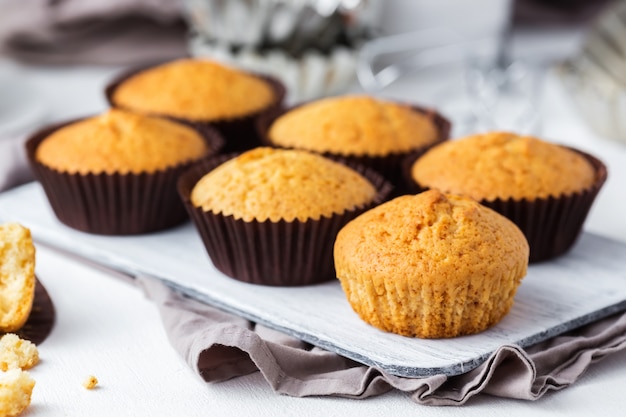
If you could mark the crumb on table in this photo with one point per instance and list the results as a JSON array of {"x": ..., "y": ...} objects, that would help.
[
  {"x": 90, "y": 382},
  {"x": 17, "y": 353}
]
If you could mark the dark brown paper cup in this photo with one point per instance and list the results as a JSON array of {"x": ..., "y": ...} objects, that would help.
[
  {"x": 390, "y": 166},
  {"x": 240, "y": 134},
  {"x": 271, "y": 253},
  {"x": 41, "y": 319},
  {"x": 114, "y": 204},
  {"x": 551, "y": 225}
]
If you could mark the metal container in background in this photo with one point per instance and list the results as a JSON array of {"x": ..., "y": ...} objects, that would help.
[
  {"x": 310, "y": 45},
  {"x": 595, "y": 77}
]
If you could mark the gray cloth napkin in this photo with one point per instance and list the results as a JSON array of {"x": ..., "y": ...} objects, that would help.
[
  {"x": 109, "y": 32},
  {"x": 219, "y": 346}
]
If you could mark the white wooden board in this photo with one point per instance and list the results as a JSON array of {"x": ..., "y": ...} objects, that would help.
[{"x": 587, "y": 284}]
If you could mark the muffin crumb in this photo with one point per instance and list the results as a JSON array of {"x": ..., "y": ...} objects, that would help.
[
  {"x": 16, "y": 388},
  {"x": 90, "y": 382},
  {"x": 16, "y": 353}
]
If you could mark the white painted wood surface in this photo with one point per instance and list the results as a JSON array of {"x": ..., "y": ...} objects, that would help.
[{"x": 585, "y": 285}]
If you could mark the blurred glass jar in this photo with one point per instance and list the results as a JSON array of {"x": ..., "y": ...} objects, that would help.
[{"x": 311, "y": 45}]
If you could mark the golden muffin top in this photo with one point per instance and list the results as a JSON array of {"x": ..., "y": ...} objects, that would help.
[
  {"x": 275, "y": 184},
  {"x": 120, "y": 142},
  {"x": 430, "y": 237},
  {"x": 194, "y": 89},
  {"x": 503, "y": 165},
  {"x": 354, "y": 125}
]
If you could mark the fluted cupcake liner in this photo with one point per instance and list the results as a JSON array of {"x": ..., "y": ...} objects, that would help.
[
  {"x": 41, "y": 318},
  {"x": 240, "y": 133},
  {"x": 279, "y": 253},
  {"x": 390, "y": 166},
  {"x": 551, "y": 225},
  {"x": 114, "y": 204}
]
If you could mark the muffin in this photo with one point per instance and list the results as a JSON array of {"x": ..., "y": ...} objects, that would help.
[
  {"x": 269, "y": 216},
  {"x": 200, "y": 91},
  {"x": 546, "y": 189},
  {"x": 17, "y": 276},
  {"x": 370, "y": 131},
  {"x": 115, "y": 173},
  {"x": 431, "y": 265}
]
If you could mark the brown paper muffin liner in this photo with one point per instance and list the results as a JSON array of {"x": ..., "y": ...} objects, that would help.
[
  {"x": 41, "y": 318},
  {"x": 271, "y": 253},
  {"x": 240, "y": 134},
  {"x": 114, "y": 204},
  {"x": 390, "y": 166},
  {"x": 551, "y": 225}
]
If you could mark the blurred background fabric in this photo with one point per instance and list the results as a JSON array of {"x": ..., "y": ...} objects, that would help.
[
  {"x": 68, "y": 34},
  {"x": 556, "y": 12},
  {"x": 101, "y": 32},
  {"x": 128, "y": 32}
]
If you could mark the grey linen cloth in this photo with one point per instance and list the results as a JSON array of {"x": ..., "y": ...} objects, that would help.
[
  {"x": 219, "y": 346},
  {"x": 100, "y": 32}
]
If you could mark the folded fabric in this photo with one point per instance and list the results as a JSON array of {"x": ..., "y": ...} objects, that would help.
[
  {"x": 218, "y": 346},
  {"x": 112, "y": 32}
]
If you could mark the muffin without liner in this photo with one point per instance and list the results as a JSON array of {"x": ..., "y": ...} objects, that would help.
[{"x": 431, "y": 265}]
